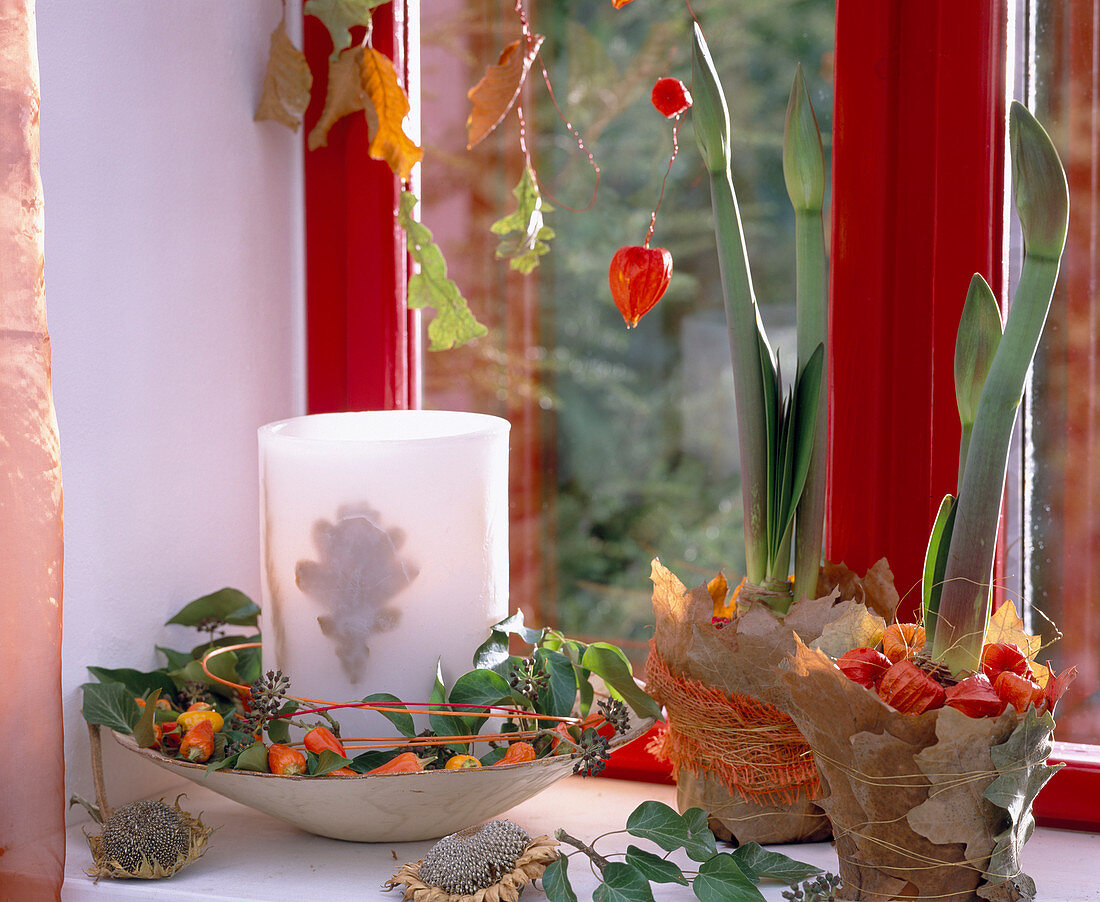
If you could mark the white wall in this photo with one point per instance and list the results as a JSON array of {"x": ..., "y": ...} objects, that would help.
[{"x": 174, "y": 287}]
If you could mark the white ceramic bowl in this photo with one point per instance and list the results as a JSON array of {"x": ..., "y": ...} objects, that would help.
[{"x": 381, "y": 808}]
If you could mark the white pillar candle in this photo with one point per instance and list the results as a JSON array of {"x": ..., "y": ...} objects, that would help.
[{"x": 384, "y": 540}]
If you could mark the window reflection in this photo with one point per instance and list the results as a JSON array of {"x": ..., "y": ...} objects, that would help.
[
  {"x": 1062, "y": 485},
  {"x": 623, "y": 442}
]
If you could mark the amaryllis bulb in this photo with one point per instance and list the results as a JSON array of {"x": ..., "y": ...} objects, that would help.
[{"x": 638, "y": 277}]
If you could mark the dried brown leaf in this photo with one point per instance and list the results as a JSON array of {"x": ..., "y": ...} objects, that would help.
[
  {"x": 496, "y": 93},
  {"x": 287, "y": 82},
  {"x": 389, "y": 141},
  {"x": 855, "y": 628},
  {"x": 1005, "y": 625},
  {"x": 875, "y": 589},
  {"x": 345, "y": 95},
  {"x": 960, "y": 768}
]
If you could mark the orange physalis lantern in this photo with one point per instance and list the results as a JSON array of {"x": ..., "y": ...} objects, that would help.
[
  {"x": 975, "y": 697},
  {"x": 910, "y": 690},
  {"x": 865, "y": 666},
  {"x": 902, "y": 640},
  {"x": 638, "y": 277}
]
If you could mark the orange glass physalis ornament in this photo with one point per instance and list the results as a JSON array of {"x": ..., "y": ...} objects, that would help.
[{"x": 638, "y": 277}]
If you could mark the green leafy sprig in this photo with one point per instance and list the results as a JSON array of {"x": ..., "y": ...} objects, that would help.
[
  {"x": 720, "y": 876},
  {"x": 553, "y": 681},
  {"x": 453, "y": 323},
  {"x": 524, "y": 235}
]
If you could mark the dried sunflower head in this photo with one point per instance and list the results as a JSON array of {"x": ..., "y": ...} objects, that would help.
[
  {"x": 492, "y": 862},
  {"x": 147, "y": 840}
]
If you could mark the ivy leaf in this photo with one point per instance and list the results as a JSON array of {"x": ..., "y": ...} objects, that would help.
[
  {"x": 700, "y": 845},
  {"x": 444, "y": 724},
  {"x": 110, "y": 705},
  {"x": 278, "y": 730},
  {"x": 493, "y": 652},
  {"x": 250, "y": 664},
  {"x": 344, "y": 96},
  {"x": 721, "y": 879},
  {"x": 340, "y": 16},
  {"x": 523, "y": 234},
  {"x": 759, "y": 862},
  {"x": 369, "y": 761},
  {"x": 253, "y": 758},
  {"x": 1021, "y": 762},
  {"x": 223, "y": 666},
  {"x": 453, "y": 324},
  {"x": 287, "y": 82},
  {"x": 175, "y": 660},
  {"x": 496, "y": 93},
  {"x": 492, "y": 756},
  {"x": 199, "y": 650},
  {"x": 401, "y": 719},
  {"x": 609, "y": 662},
  {"x": 658, "y": 823},
  {"x": 555, "y": 881},
  {"x": 139, "y": 683},
  {"x": 561, "y": 690},
  {"x": 327, "y": 762},
  {"x": 229, "y": 605},
  {"x": 556, "y": 641},
  {"x": 622, "y": 883},
  {"x": 391, "y": 104},
  {"x": 479, "y": 687},
  {"x": 222, "y": 763},
  {"x": 144, "y": 735},
  {"x": 654, "y": 867}
]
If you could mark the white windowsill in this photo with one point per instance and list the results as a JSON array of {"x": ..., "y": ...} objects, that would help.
[{"x": 255, "y": 857}]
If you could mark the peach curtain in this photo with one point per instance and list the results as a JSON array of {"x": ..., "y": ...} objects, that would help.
[{"x": 32, "y": 828}]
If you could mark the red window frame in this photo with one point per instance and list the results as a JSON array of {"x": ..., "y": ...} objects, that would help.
[{"x": 919, "y": 127}]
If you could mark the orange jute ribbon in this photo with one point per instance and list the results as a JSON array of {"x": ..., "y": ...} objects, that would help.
[{"x": 749, "y": 746}]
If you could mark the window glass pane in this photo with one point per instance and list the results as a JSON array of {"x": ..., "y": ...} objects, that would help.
[
  {"x": 624, "y": 444},
  {"x": 1062, "y": 500}
]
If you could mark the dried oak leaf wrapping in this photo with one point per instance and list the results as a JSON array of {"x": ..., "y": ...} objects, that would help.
[
  {"x": 737, "y": 755},
  {"x": 935, "y": 805}
]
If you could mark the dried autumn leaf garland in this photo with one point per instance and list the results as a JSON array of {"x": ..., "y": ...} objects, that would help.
[{"x": 362, "y": 79}]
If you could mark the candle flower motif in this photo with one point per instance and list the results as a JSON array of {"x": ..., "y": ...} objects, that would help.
[{"x": 358, "y": 572}]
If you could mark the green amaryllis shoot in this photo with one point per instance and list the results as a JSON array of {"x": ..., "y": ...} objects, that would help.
[
  {"x": 959, "y": 615},
  {"x": 776, "y": 430},
  {"x": 804, "y": 173},
  {"x": 978, "y": 337}
]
